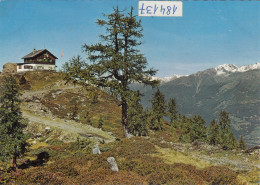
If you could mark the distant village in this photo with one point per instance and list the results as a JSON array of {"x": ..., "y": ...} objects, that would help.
[{"x": 37, "y": 60}]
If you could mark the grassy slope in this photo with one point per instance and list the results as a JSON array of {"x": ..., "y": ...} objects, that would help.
[{"x": 141, "y": 160}]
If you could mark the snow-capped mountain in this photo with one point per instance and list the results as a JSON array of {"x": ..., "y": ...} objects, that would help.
[{"x": 226, "y": 69}]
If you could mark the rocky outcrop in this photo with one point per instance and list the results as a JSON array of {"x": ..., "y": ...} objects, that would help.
[{"x": 10, "y": 68}]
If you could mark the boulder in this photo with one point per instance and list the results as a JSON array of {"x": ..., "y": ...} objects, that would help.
[
  {"x": 47, "y": 128},
  {"x": 95, "y": 149},
  {"x": 113, "y": 164},
  {"x": 10, "y": 68}
]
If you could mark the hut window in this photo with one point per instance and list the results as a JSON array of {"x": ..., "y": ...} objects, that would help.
[{"x": 28, "y": 67}]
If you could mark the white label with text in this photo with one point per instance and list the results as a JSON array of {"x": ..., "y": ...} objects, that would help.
[{"x": 160, "y": 8}]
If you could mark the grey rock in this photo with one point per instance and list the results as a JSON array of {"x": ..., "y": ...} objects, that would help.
[
  {"x": 113, "y": 164},
  {"x": 95, "y": 149},
  {"x": 128, "y": 135},
  {"x": 47, "y": 128}
]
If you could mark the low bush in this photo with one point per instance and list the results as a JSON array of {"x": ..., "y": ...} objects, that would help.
[
  {"x": 134, "y": 147},
  {"x": 143, "y": 165},
  {"x": 175, "y": 176},
  {"x": 220, "y": 175},
  {"x": 66, "y": 168},
  {"x": 42, "y": 176},
  {"x": 54, "y": 142},
  {"x": 123, "y": 177}
]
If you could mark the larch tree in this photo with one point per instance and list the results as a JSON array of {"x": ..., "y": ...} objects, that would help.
[
  {"x": 12, "y": 139},
  {"x": 116, "y": 60},
  {"x": 158, "y": 110}
]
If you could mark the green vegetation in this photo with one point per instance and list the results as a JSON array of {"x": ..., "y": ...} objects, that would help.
[{"x": 12, "y": 139}]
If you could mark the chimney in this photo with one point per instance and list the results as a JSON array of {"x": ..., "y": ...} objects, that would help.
[{"x": 34, "y": 50}]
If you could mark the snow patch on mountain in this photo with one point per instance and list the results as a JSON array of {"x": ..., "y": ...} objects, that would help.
[
  {"x": 226, "y": 69},
  {"x": 167, "y": 79}
]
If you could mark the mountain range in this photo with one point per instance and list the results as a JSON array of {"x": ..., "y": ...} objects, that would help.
[{"x": 235, "y": 89}]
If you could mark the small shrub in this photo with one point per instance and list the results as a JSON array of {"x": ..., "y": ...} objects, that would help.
[
  {"x": 93, "y": 176},
  {"x": 143, "y": 165},
  {"x": 54, "y": 142},
  {"x": 42, "y": 176},
  {"x": 122, "y": 177},
  {"x": 134, "y": 147},
  {"x": 66, "y": 168},
  {"x": 79, "y": 144}
]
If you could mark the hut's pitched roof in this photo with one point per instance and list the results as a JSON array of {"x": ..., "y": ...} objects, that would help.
[{"x": 37, "y": 52}]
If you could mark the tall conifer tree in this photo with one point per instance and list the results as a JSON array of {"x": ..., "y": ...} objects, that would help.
[
  {"x": 158, "y": 110},
  {"x": 214, "y": 135},
  {"x": 12, "y": 139},
  {"x": 117, "y": 61},
  {"x": 187, "y": 131},
  {"x": 172, "y": 110},
  {"x": 224, "y": 122},
  {"x": 137, "y": 117},
  {"x": 229, "y": 141},
  {"x": 242, "y": 143},
  {"x": 199, "y": 129}
]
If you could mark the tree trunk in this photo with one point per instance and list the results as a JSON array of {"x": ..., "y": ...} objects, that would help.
[
  {"x": 15, "y": 162},
  {"x": 124, "y": 118}
]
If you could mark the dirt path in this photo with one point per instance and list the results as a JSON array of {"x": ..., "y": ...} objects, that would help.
[
  {"x": 70, "y": 126},
  {"x": 31, "y": 93}
]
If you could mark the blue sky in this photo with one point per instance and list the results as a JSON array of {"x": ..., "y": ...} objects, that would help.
[{"x": 210, "y": 33}]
